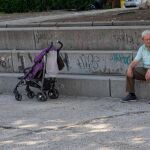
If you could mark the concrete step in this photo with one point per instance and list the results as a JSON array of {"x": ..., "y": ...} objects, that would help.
[
  {"x": 75, "y": 24},
  {"x": 73, "y": 38},
  {"x": 84, "y": 85},
  {"x": 76, "y": 62}
]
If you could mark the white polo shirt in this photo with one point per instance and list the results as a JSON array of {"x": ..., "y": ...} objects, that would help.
[{"x": 143, "y": 55}]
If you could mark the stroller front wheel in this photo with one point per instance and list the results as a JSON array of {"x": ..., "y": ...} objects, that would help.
[
  {"x": 41, "y": 97},
  {"x": 53, "y": 94}
]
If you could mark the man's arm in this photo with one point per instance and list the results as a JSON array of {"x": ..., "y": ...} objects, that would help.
[
  {"x": 131, "y": 67},
  {"x": 147, "y": 76}
]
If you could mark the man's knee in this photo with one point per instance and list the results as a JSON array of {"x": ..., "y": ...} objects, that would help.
[{"x": 139, "y": 73}]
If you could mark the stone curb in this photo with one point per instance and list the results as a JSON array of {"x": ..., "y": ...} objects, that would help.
[{"x": 78, "y": 24}]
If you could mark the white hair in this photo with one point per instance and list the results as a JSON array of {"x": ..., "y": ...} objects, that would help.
[{"x": 145, "y": 33}]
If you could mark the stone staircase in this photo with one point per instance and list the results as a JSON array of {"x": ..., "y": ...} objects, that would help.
[{"x": 96, "y": 56}]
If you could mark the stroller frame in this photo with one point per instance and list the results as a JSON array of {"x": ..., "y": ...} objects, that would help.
[{"x": 45, "y": 85}]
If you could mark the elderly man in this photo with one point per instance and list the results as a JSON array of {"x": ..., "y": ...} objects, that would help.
[{"x": 139, "y": 73}]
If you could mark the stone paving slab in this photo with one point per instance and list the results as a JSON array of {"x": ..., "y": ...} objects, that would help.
[{"x": 71, "y": 123}]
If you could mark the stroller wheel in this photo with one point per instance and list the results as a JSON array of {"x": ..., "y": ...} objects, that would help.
[
  {"x": 53, "y": 94},
  {"x": 18, "y": 97},
  {"x": 41, "y": 97},
  {"x": 30, "y": 94}
]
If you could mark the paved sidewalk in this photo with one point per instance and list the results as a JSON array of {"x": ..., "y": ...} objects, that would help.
[{"x": 74, "y": 123}]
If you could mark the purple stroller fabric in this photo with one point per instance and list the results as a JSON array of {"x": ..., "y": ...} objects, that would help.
[{"x": 38, "y": 63}]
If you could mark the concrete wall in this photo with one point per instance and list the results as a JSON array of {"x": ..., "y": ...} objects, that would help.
[
  {"x": 16, "y": 39},
  {"x": 73, "y": 38},
  {"x": 91, "y": 55},
  {"x": 96, "y": 62},
  {"x": 76, "y": 62}
]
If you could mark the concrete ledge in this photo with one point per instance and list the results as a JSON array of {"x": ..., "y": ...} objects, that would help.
[
  {"x": 118, "y": 89},
  {"x": 84, "y": 85},
  {"x": 7, "y": 83},
  {"x": 22, "y": 25},
  {"x": 73, "y": 38},
  {"x": 131, "y": 23},
  {"x": 76, "y": 85},
  {"x": 75, "y": 24},
  {"x": 102, "y": 23},
  {"x": 117, "y": 86}
]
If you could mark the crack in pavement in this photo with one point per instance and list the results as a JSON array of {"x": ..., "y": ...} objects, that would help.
[
  {"x": 113, "y": 116},
  {"x": 71, "y": 126}
]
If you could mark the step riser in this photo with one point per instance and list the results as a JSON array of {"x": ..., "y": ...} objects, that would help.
[
  {"x": 114, "y": 87},
  {"x": 77, "y": 62},
  {"x": 73, "y": 38},
  {"x": 56, "y": 23},
  {"x": 118, "y": 89},
  {"x": 7, "y": 83},
  {"x": 86, "y": 86}
]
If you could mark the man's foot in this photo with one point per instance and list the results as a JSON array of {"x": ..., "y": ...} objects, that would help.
[{"x": 129, "y": 98}]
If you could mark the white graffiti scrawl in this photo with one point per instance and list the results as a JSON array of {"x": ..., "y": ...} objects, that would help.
[{"x": 88, "y": 61}]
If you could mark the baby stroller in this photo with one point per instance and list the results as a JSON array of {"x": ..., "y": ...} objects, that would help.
[{"x": 35, "y": 77}]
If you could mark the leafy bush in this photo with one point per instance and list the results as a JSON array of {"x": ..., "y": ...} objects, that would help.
[
  {"x": 10, "y": 6},
  {"x": 13, "y": 6}
]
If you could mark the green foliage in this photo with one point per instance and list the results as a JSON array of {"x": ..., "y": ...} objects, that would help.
[
  {"x": 13, "y": 6},
  {"x": 10, "y": 6}
]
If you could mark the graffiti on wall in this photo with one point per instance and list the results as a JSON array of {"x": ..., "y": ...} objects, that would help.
[
  {"x": 83, "y": 63},
  {"x": 5, "y": 62},
  {"x": 103, "y": 63},
  {"x": 121, "y": 58},
  {"x": 39, "y": 35},
  {"x": 126, "y": 38},
  {"x": 21, "y": 58},
  {"x": 44, "y": 37},
  {"x": 88, "y": 61}
]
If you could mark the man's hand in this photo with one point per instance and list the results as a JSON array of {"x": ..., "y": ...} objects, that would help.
[
  {"x": 147, "y": 76},
  {"x": 130, "y": 72}
]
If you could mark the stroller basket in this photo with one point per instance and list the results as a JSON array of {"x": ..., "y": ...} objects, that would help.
[{"x": 34, "y": 76}]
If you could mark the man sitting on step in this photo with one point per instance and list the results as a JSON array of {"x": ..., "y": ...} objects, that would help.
[{"x": 139, "y": 73}]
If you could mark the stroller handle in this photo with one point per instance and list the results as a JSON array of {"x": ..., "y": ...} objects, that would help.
[
  {"x": 61, "y": 45},
  {"x": 50, "y": 46}
]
